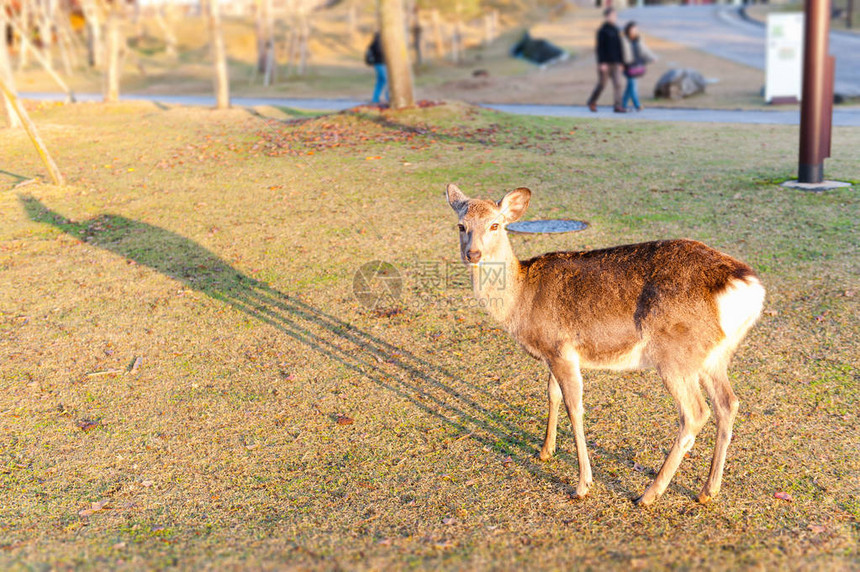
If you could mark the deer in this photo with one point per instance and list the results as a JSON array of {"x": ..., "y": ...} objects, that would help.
[{"x": 677, "y": 306}]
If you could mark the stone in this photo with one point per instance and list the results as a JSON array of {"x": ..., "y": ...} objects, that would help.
[{"x": 679, "y": 83}]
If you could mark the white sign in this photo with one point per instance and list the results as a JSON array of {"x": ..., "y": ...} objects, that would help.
[{"x": 784, "y": 64}]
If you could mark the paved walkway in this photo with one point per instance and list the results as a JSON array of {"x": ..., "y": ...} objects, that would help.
[
  {"x": 724, "y": 32},
  {"x": 843, "y": 117}
]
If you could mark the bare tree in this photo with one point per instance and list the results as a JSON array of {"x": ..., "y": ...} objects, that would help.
[
  {"x": 394, "y": 47},
  {"x": 169, "y": 36},
  {"x": 219, "y": 54},
  {"x": 6, "y": 73},
  {"x": 21, "y": 29},
  {"x": 95, "y": 44},
  {"x": 115, "y": 49}
]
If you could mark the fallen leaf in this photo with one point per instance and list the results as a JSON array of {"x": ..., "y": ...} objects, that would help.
[
  {"x": 344, "y": 420},
  {"x": 817, "y": 528},
  {"x": 507, "y": 460},
  {"x": 782, "y": 496},
  {"x": 385, "y": 542},
  {"x": 448, "y": 521},
  {"x": 147, "y": 483},
  {"x": 88, "y": 424},
  {"x": 100, "y": 505},
  {"x": 86, "y": 512},
  {"x": 119, "y": 545},
  {"x": 640, "y": 468}
]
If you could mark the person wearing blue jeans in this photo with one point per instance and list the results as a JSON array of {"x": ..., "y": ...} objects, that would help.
[
  {"x": 636, "y": 56},
  {"x": 381, "y": 82},
  {"x": 374, "y": 57},
  {"x": 631, "y": 95}
]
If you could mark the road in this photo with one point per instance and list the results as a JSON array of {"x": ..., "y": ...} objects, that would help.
[
  {"x": 842, "y": 117},
  {"x": 723, "y": 31}
]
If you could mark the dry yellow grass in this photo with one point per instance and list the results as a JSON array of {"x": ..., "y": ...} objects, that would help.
[{"x": 220, "y": 249}]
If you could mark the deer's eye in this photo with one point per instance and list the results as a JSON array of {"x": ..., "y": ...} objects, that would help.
[
  {"x": 461, "y": 227},
  {"x": 494, "y": 226}
]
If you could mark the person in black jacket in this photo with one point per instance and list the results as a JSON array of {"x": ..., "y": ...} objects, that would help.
[
  {"x": 610, "y": 61},
  {"x": 375, "y": 57}
]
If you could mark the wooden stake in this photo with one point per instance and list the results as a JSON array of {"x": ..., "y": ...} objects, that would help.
[{"x": 30, "y": 128}]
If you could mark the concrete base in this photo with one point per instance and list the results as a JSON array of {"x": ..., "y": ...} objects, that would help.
[{"x": 822, "y": 186}]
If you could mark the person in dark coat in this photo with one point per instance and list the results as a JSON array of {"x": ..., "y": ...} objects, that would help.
[
  {"x": 610, "y": 61},
  {"x": 375, "y": 57}
]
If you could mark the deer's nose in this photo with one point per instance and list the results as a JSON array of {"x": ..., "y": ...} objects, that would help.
[{"x": 473, "y": 256}]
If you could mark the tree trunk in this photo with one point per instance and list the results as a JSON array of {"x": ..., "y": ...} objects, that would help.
[
  {"x": 219, "y": 55},
  {"x": 437, "y": 35},
  {"x": 417, "y": 36},
  {"x": 45, "y": 20},
  {"x": 394, "y": 47},
  {"x": 260, "y": 30},
  {"x": 24, "y": 55},
  {"x": 114, "y": 46},
  {"x": 25, "y": 41},
  {"x": 268, "y": 62},
  {"x": 6, "y": 75},
  {"x": 95, "y": 45},
  {"x": 169, "y": 36}
]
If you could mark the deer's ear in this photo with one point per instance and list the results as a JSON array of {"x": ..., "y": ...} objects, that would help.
[
  {"x": 456, "y": 198},
  {"x": 515, "y": 203}
]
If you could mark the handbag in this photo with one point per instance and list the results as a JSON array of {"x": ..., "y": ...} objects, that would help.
[{"x": 637, "y": 70}]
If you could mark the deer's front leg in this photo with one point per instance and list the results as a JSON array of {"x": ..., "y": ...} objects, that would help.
[
  {"x": 565, "y": 369},
  {"x": 553, "y": 392}
]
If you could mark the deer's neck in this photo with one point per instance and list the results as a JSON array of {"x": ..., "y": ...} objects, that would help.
[{"x": 496, "y": 282}]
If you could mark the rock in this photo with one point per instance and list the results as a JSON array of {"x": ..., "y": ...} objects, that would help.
[
  {"x": 678, "y": 83},
  {"x": 537, "y": 51}
]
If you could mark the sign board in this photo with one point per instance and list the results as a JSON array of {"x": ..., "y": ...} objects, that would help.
[{"x": 784, "y": 59}]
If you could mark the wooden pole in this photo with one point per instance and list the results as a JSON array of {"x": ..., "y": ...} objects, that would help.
[
  {"x": 30, "y": 128},
  {"x": 816, "y": 109}
]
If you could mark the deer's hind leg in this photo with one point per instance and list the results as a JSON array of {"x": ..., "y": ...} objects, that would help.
[
  {"x": 693, "y": 413},
  {"x": 725, "y": 405},
  {"x": 553, "y": 392}
]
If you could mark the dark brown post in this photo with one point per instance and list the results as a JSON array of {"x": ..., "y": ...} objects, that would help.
[{"x": 816, "y": 109}]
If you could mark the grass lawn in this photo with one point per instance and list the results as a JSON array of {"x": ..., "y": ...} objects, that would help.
[{"x": 186, "y": 378}]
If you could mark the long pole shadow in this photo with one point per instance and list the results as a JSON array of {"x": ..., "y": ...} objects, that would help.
[{"x": 430, "y": 387}]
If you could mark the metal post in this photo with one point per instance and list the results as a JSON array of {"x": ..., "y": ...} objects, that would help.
[{"x": 816, "y": 109}]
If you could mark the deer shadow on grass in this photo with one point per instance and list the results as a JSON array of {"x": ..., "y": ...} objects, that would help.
[{"x": 428, "y": 386}]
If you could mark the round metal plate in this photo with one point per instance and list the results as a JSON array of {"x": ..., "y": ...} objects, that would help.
[{"x": 547, "y": 226}]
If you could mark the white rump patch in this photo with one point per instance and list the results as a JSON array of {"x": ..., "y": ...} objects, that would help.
[{"x": 739, "y": 306}]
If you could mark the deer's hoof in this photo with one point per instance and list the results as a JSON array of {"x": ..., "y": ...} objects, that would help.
[
  {"x": 545, "y": 455},
  {"x": 646, "y": 499},
  {"x": 581, "y": 492},
  {"x": 703, "y": 498}
]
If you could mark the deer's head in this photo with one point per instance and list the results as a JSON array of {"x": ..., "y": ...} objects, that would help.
[{"x": 482, "y": 223}]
